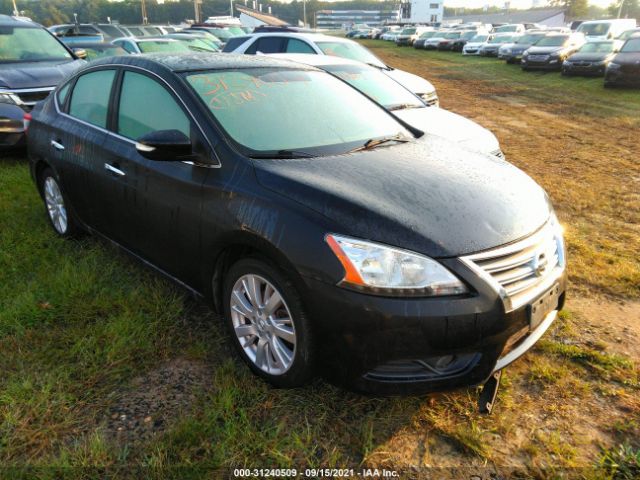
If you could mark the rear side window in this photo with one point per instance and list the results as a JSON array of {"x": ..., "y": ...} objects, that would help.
[
  {"x": 298, "y": 46},
  {"x": 146, "y": 106},
  {"x": 234, "y": 43},
  {"x": 267, "y": 45},
  {"x": 90, "y": 97}
]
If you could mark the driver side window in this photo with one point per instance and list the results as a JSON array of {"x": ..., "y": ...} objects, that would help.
[{"x": 146, "y": 106}]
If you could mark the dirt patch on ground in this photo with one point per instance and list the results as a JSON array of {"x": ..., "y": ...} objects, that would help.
[
  {"x": 152, "y": 400},
  {"x": 610, "y": 324}
]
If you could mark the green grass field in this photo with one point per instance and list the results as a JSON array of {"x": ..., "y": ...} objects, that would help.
[{"x": 88, "y": 335}]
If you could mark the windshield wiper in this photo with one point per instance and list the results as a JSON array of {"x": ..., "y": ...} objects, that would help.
[
  {"x": 283, "y": 154},
  {"x": 376, "y": 142},
  {"x": 402, "y": 106}
]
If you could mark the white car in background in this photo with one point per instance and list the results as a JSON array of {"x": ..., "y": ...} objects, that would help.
[
  {"x": 473, "y": 46},
  {"x": 390, "y": 35},
  {"x": 403, "y": 104},
  {"x": 288, "y": 40},
  {"x": 432, "y": 42}
]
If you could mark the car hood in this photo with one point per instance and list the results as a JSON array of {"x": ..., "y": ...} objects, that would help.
[
  {"x": 36, "y": 74},
  {"x": 410, "y": 81},
  {"x": 435, "y": 39},
  {"x": 627, "y": 58},
  {"x": 429, "y": 196},
  {"x": 474, "y": 44},
  {"x": 449, "y": 125},
  {"x": 543, "y": 50},
  {"x": 589, "y": 57}
]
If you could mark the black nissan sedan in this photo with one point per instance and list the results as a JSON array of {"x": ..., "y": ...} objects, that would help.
[
  {"x": 332, "y": 237},
  {"x": 624, "y": 68}
]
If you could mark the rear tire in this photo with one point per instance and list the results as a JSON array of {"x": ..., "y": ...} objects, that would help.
[
  {"x": 56, "y": 203},
  {"x": 267, "y": 323}
]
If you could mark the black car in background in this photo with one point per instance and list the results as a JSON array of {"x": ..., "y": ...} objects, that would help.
[
  {"x": 549, "y": 52},
  {"x": 624, "y": 68},
  {"x": 592, "y": 58},
  {"x": 513, "y": 52},
  {"x": 33, "y": 61},
  {"x": 458, "y": 44},
  {"x": 328, "y": 234}
]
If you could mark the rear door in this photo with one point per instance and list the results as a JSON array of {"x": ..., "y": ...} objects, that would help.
[
  {"x": 155, "y": 210},
  {"x": 78, "y": 139}
]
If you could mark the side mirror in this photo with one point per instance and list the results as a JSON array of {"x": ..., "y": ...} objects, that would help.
[
  {"x": 164, "y": 146},
  {"x": 80, "y": 53}
]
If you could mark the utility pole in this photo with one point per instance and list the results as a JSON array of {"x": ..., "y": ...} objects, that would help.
[
  {"x": 231, "y": 7},
  {"x": 620, "y": 9},
  {"x": 15, "y": 9},
  {"x": 196, "y": 10},
  {"x": 143, "y": 6},
  {"x": 304, "y": 12}
]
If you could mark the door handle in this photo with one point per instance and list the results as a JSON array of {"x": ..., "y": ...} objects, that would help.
[
  {"x": 57, "y": 145},
  {"x": 113, "y": 169}
]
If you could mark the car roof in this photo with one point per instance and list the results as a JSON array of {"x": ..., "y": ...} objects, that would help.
[
  {"x": 95, "y": 45},
  {"x": 314, "y": 37},
  {"x": 192, "y": 61},
  {"x": 7, "y": 21}
]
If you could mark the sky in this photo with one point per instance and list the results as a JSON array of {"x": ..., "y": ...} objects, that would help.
[{"x": 514, "y": 3}]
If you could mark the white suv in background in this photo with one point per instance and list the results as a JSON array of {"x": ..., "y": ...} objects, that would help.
[{"x": 286, "y": 40}]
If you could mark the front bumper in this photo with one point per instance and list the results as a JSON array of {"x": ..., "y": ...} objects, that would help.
[
  {"x": 489, "y": 52},
  {"x": 386, "y": 345},
  {"x": 591, "y": 69},
  {"x": 619, "y": 77},
  {"x": 403, "y": 42},
  {"x": 549, "y": 64},
  {"x": 11, "y": 126},
  {"x": 470, "y": 51}
]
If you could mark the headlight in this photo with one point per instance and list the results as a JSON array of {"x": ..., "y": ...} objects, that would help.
[
  {"x": 558, "y": 233},
  {"x": 9, "y": 98},
  {"x": 386, "y": 270}
]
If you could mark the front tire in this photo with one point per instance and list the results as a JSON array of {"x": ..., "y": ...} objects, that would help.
[
  {"x": 267, "y": 323},
  {"x": 57, "y": 206}
]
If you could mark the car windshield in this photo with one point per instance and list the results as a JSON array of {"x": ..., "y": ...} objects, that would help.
[
  {"x": 479, "y": 38},
  {"x": 376, "y": 85},
  {"x": 24, "y": 44},
  {"x": 350, "y": 50},
  {"x": 552, "y": 41},
  {"x": 468, "y": 35},
  {"x": 601, "y": 28},
  {"x": 408, "y": 31},
  {"x": 271, "y": 110},
  {"x": 452, "y": 35},
  {"x": 154, "y": 46},
  {"x": 99, "y": 52},
  {"x": 428, "y": 34},
  {"x": 597, "y": 47},
  {"x": 110, "y": 30},
  {"x": 529, "y": 39},
  {"x": 627, "y": 34},
  {"x": 221, "y": 33},
  {"x": 507, "y": 28},
  {"x": 136, "y": 31},
  {"x": 632, "y": 46},
  {"x": 198, "y": 45},
  {"x": 501, "y": 39}
]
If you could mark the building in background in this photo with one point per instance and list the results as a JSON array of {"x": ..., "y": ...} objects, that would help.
[
  {"x": 340, "y": 19},
  {"x": 422, "y": 11},
  {"x": 549, "y": 17}
]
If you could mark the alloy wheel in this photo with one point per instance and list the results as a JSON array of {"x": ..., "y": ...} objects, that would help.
[
  {"x": 55, "y": 205},
  {"x": 263, "y": 324}
]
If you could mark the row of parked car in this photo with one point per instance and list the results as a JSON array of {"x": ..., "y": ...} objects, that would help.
[
  {"x": 313, "y": 194},
  {"x": 592, "y": 50}
]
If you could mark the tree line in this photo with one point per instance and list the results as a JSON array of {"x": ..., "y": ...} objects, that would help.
[{"x": 51, "y": 12}]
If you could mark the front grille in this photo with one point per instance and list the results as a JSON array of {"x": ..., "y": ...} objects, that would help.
[
  {"x": 538, "y": 58},
  {"x": 524, "y": 269},
  {"x": 29, "y": 97}
]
